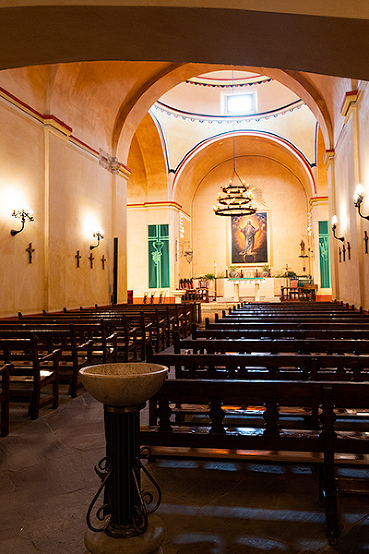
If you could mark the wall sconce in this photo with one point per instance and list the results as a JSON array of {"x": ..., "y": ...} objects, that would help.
[
  {"x": 99, "y": 236},
  {"x": 23, "y": 216},
  {"x": 188, "y": 255},
  {"x": 334, "y": 227},
  {"x": 186, "y": 251},
  {"x": 358, "y": 198}
]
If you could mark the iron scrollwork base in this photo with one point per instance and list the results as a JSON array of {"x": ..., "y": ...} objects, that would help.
[
  {"x": 140, "y": 512},
  {"x": 103, "y": 470}
]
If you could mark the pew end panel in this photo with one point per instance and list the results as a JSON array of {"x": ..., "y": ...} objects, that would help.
[
  {"x": 4, "y": 399},
  {"x": 32, "y": 373}
]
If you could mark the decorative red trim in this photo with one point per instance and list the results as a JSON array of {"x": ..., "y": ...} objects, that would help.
[
  {"x": 81, "y": 143},
  {"x": 48, "y": 118},
  {"x": 158, "y": 204},
  {"x": 350, "y": 96},
  {"x": 23, "y": 104},
  {"x": 266, "y": 135}
]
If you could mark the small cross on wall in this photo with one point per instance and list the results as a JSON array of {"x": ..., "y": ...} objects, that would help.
[
  {"x": 366, "y": 241},
  {"x": 30, "y": 250},
  {"x": 78, "y": 257},
  {"x": 103, "y": 260},
  {"x": 91, "y": 258}
]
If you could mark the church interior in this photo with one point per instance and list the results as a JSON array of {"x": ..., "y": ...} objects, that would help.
[{"x": 121, "y": 123}]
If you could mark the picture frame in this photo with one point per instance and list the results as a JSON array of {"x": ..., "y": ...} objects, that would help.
[{"x": 250, "y": 239}]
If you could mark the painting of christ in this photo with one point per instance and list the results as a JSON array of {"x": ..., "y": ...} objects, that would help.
[{"x": 249, "y": 239}]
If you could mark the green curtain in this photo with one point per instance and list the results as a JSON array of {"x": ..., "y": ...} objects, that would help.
[
  {"x": 158, "y": 256},
  {"x": 324, "y": 255}
]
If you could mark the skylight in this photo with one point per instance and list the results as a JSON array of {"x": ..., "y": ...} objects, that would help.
[{"x": 240, "y": 103}]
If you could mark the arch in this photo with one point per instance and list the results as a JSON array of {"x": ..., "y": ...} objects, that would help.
[
  {"x": 133, "y": 110},
  {"x": 206, "y": 155},
  {"x": 96, "y": 31},
  {"x": 153, "y": 163}
]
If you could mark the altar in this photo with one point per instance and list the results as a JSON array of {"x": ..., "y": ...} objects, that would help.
[{"x": 248, "y": 287}]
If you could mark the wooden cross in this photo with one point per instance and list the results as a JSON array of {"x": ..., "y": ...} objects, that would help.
[
  {"x": 30, "y": 250},
  {"x": 366, "y": 241},
  {"x": 91, "y": 258},
  {"x": 349, "y": 250},
  {"x": 339, "y": 254},
  {"x": 78, "y": 257},
  {"x": 344, "y": 252},
  {"x": 103, "y": 259}
]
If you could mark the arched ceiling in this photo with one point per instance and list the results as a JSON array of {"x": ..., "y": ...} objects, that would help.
[
  {"x": 329, "y": 38},
  {"x": 110, "y": 99},
  {"x": 221, "y": 150},
  {"x": 152, "y": 161},
  {"x": 131, "y": 114}
]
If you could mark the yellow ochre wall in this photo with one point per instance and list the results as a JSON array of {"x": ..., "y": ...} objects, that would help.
[{"x": 46, "y": 170}]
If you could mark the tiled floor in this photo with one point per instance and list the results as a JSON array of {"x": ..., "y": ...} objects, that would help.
[{"x": 47, "y": 481}]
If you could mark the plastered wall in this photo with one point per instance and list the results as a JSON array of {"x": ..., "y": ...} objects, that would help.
[
  {"x": 350, "y": 168},
  {"x": 71, "y": 196},
  {"x": 285, "y": 203}
]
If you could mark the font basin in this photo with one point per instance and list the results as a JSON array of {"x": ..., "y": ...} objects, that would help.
[{"x": 123, "y": 384}]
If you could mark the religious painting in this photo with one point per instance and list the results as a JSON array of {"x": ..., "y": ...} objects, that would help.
[{"x": 249, "y": 239}]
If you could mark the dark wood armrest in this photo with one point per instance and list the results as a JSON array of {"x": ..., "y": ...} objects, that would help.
[
  {"x": 88, "y": 344},
  {"x": 54, "y": 355}
]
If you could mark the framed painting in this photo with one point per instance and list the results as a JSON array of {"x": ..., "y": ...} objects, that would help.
[{"x": 249, "y": 239}]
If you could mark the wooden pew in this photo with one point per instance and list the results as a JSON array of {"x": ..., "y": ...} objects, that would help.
[
  {"x": 137, "y": 328},
  {"x": 78, "y": 344},
  {"x": 273, "y": 346},
  {"x": 254, "y": 325},
  {"x": 292, "y": 332},
  {"x": 31, "y": 373},
  {"x": 4, "y": 399},
  {"x": 331, "y": 445},
  {"x": 275, "y": 317},
  {"x": 235, "y": 366},
  {"x": 178, "y": 316},
  {"x": 287, "y": 366}
]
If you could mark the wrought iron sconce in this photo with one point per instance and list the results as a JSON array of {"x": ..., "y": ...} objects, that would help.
[
  {"x": 99, "y": 236},
  {"x": 186, "y": 250},
  {"x": 358, "y": 198},
  {"x": 334, "y": 227},
  {"x": 188, "y": 254},
  {"x": 23, "y": 216}
]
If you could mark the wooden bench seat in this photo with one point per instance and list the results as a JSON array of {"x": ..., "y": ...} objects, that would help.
[
  {"x": 273, "y": 346},
  {"x": 268, "y": 367},
  {"x": 326, "y": 447},
  {"x": 293, "y": 325},
  {"x": 80, "y": 345},
  {"x": 138, "y": 327},
  {"x": 275, "y": 317},
  {"x": 291, "y": 332},
  {"x": 31, "y": 373},
  {"x": 339, "y": 367}
]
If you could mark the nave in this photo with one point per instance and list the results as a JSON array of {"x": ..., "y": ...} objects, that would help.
[
  {"x": 230, "y": 506},
  {"x": 208, "y": 507}
]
